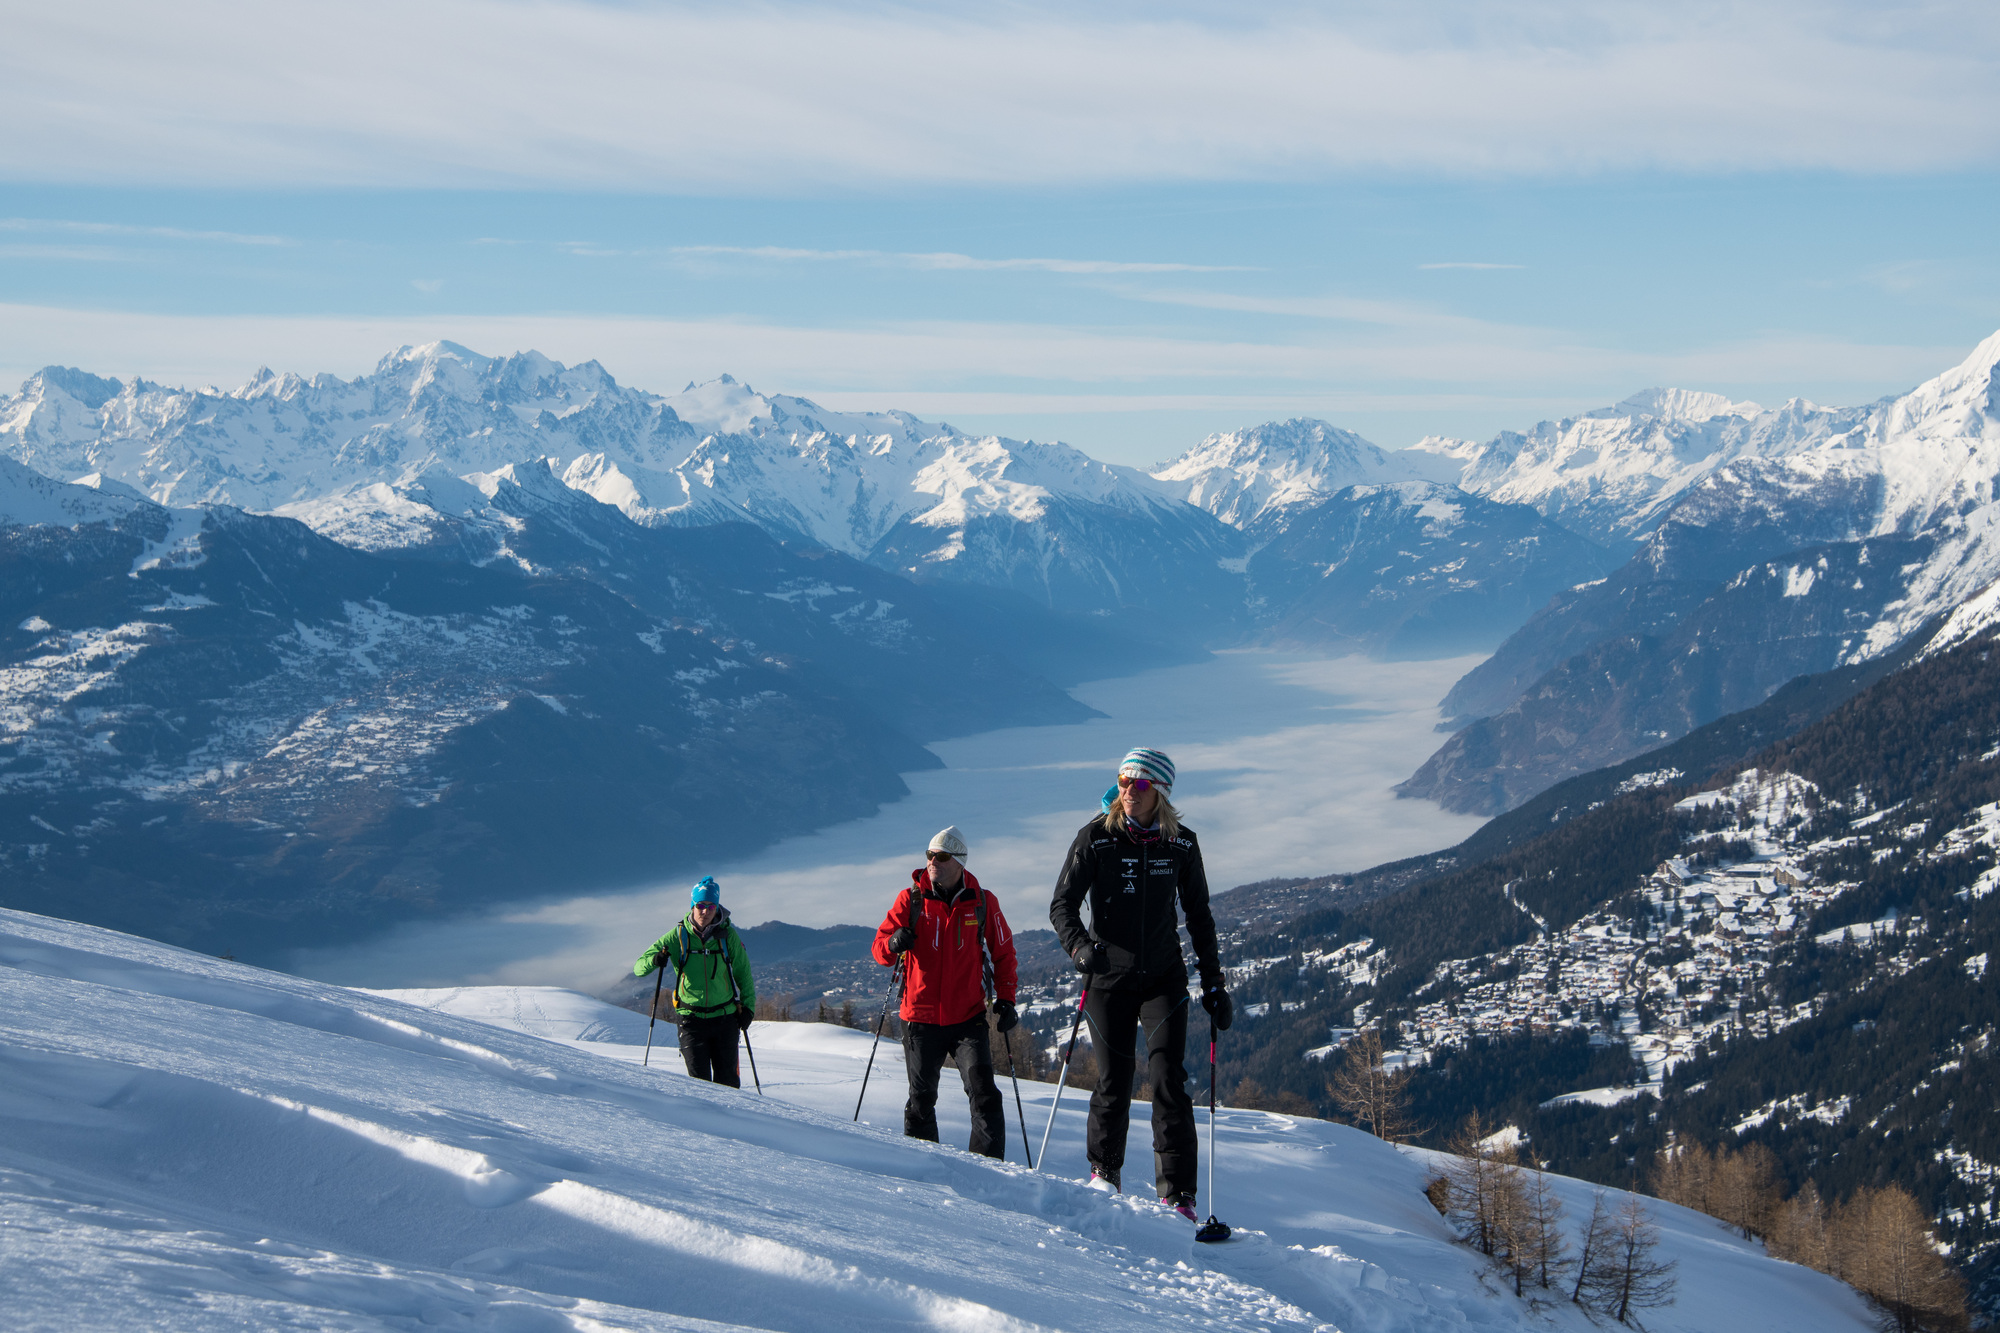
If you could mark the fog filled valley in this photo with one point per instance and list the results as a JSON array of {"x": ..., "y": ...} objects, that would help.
[{"x": 1604, "y": 814}]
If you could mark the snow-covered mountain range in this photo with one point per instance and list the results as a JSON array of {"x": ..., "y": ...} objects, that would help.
[
  {"x": 191, "y": 1143},
  {"x": 360, "y": 456},
  {"x": 1761, "y": 544},
  {"x": 1772, "y": 543},
  {"x": 225, "y": 728},
  {"x": 1251, "y": 479}
]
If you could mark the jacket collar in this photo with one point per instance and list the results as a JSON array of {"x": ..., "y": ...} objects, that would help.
[
  {"x": 920, "y": 884},
  {"x": 1130, "y": 833},
  {"x": 720, "y": 924}
]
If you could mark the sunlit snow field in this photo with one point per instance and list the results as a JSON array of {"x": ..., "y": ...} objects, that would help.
[
  {"x": 1285, "y": 766},
  {"x": 189, "y": 1143}
]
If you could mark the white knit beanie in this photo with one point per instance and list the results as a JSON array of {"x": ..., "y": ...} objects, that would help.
[{"x": 950, "y": 841}]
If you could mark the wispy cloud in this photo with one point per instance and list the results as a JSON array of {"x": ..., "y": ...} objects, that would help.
[
  {"x": 74, "y": 228},
  {"x": 1422, "y": 359},
  {"x": 784, "y": 98},
  {"x": 1459, "y": 263},
  {"x": 945, "y": 261},
  {"x": 83, "y": 254}
]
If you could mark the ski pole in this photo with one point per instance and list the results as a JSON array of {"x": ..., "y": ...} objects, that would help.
[
  {"x": 1213, "y": 1229},
  {"x": 1007, "y": 1040},
  {"x": 753, "y": 1062},
  {"x": 656, "y": 1012},
  {"x": 1062, "y": 1078},
  {"x": 895, "y": 989}
]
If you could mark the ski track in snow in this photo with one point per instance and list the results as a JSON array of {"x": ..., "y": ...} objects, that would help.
[{"x": 191, "y": 1143}]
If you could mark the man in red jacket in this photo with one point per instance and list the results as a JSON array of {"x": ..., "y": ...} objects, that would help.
[{"x": 957, "y": 954}]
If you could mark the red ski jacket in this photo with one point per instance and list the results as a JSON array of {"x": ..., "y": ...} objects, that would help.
[{"x": 945, "y": 983}]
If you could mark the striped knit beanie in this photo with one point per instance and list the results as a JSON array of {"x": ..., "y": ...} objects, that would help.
[{"x": 1151, "y": 765}]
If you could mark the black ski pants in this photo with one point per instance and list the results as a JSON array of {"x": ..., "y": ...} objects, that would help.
[
  {"x": 925, "y": 1046},
  {"x": 708, "y": 1047},
  {"x": 1154, "y": 1013}
]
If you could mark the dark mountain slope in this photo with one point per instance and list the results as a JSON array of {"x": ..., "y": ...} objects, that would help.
[
  {"x": 1723, "y": 744},
  {"x": 240, "y": 735},
  {"x": 1415, "y": 569},
  {"x": 1773, "y": 621}
]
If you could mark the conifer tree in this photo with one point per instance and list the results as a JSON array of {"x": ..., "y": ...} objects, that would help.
[
  {"x": 1745, "y": 1188},
  {"x": 1884, "y": 1246},
  {"x": 1367, "y": 1093},
  {"x": 1479, "y": 1185},
  {"x": 1630, "y": 1276},
  {"x": 1596, "y": 1244},
  {"x": 1799, "y": 1230},
  {"x": 1528, "y": 1219}
]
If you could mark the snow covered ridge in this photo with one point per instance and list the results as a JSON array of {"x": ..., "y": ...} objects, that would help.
[
  {"x": 1248, "y": 478},
  {"x": 1919, "y": 459},
  {"x": 713, "y": 452},
  {"x": 361, "y": 459},
  {"x": 265, "y": 1151},
  {"x": 846, "y": 479},
  {"x": 402, "y": 458}
]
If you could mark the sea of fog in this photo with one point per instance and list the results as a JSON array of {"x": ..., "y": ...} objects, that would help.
[{"x": 1285, "y": 765}]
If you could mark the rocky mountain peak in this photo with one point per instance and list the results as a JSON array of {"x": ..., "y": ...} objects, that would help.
[
  {"x": 1247, "y": 478},
  {"x": 93, "y": 391},
  {"x": 1678, "y": 404}
]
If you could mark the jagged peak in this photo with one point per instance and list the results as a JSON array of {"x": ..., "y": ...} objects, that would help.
[
  {"x": 97, "y": 481},
  {"x": 1971, "y": 384},
  {"x": 536, "y": 476},
  {"x": 93, "y": 391},
  {"x": 1678, "y": 405}
]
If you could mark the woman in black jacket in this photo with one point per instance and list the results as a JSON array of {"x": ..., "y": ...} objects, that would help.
[{"x": 1140, "y": 869}]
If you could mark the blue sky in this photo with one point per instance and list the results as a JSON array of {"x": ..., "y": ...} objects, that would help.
[{"x": 1126, "y": 229}]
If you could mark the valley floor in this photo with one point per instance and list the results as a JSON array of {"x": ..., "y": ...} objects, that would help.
[{"x": 190, "y": 1143}]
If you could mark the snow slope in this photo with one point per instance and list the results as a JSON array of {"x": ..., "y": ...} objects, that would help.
[
  {"x": 1249, "y": 478},
  {"x": 713, "y": 452},
  {"x": 372, "y": 462},
  {"x": 28, "y": 497},
  {"x": 1610, "y": 473},
  {"x": 189, "y": 1143}
]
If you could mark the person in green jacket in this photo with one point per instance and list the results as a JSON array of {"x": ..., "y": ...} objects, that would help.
[{"x": 713, "y": 992}]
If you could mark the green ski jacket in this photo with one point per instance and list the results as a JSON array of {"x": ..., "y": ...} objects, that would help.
[{"x": 707, "y": 965}]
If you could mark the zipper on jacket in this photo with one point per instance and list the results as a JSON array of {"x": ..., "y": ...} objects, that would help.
[{"x": 1145, "y": 892}]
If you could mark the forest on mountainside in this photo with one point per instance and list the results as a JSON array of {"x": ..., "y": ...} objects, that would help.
[{"x": 1880, "y": 1068}]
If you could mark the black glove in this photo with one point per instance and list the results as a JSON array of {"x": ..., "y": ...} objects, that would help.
[
  {"x": 1089, "y": 959},
  {"x": 902, "y": 939},
  {"x": 1009, "y": 1019},
  {"x": 1220, "y": 1007},
  {"x": 744, "y": 1017}
]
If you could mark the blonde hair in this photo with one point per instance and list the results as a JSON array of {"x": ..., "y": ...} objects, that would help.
[{"x": 1164, "y": 814}]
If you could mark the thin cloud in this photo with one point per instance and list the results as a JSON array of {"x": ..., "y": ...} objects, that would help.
[
  {"x": 74, "y": 228},
  {"x": 946, "y": 261},
  {"x": 85, "y": 254},
  {"x": 1445, "y": 363},
  {"x": 1003, "y": 96},
  {"x": 1459, "y": 263}
]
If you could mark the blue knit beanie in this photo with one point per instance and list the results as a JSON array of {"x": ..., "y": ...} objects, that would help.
[
  {"x": 1152, "y": 765},
  {"x": 706, "y": 890}
]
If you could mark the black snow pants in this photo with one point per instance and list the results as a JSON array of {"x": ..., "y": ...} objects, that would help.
[
  {"x": 925, "y": 1046},
  {"x": 708, "y": 1046},
  {"x": 1155, "y": 1012}
]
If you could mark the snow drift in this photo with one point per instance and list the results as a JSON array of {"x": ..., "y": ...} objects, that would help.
[{"x": 186, "y": 1142}]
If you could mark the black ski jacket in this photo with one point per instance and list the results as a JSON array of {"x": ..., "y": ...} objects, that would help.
[{"x": 1134, "y": 886}]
